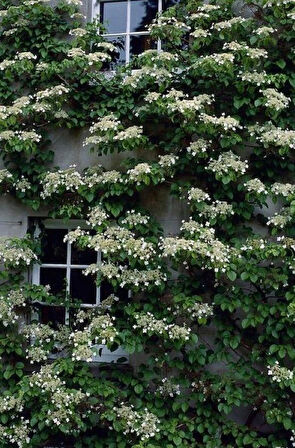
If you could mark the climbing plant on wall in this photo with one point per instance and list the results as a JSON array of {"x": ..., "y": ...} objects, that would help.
[{"x": 207, "y": 120}]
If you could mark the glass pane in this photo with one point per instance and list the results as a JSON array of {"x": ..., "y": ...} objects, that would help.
[
  {"x": 54, "y": 250},
  {"x": 142, "y": 14},
  {"x": 86, "y": 256},
  {"x": 52, "y": 314},
  {"x": 169, "y": 3},
  {"x": 138, "y": 44},
  {"x": 106, "y": 289},
  {"x": 120, "y": 42},
  {"x": 55, "y": 278},
  {"x": 114, "y": 16},
  {"x": 82, "y": 287}
]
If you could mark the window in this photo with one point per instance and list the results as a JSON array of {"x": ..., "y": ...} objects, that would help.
[
  {"x": 61, "y": 268},
  {"x": 126, "y": 21}
]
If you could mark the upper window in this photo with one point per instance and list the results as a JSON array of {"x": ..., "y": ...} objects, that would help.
[{"x": 126, "y": 23}]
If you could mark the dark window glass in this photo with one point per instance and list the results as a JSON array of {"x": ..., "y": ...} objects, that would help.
[
  {"x": 138, "y": 44},
  {"x": 169, "y": 3},
  {"x": 53, "y": 315},
  {"x": 120, "y": 42},
  {"x": 142, "y": 14},
  {"x": 55, "y": 278},
  {"x": 54, "y": 250},
  {"x": 114, "y": 16},
  {"x": 86, "y": 256},
  {"x": 106, "y": 289},
  {"x": 82, "y": 287}
]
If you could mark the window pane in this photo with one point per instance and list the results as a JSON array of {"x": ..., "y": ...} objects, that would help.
[
  {"x": 54, "y": 250},
  {"x": 82, "y": 287},
  {"x": 86, "y": 256},
  {"x": 52, "y": 314},
  {"x": 120, "y": 42},
  {"x": 169, "y": 3},
  {"x": 138, "y": 44},
  {"x": 114, "y": 16},
  {"x": 106, "y": 289},
  {"x": 55, "y": 278},
  {"x": 142, "y": 14}
]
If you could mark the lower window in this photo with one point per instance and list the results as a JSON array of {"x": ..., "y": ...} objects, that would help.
[{"x": 61, "y": 269}]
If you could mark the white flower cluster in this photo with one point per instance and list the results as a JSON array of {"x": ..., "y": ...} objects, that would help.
[
  {"x": 11, "y": 402},
  {"x": 227, "y": 123},
  {"x": 168, "y": 388},
  {"x": 97, "y": 216},
  {"x": 228, "y": 162},
  {"x": 255, "y": 77},
  {"x": 255, "y": 186},
  {"x": 184, "y": 106},
  {"x": 64, "y": 401},
  {"x": 200, "y": 310},
  {"x": 16, "y": 434},
  {"x": 110, "y": 123},
  {"x": 200, "y": 33},
  {"x": 12, "y": 254},
  {"x": 21, "y": 135},
  {"x": 74, "y": 235},
  {"x": 52, "y": 92},
  {"x": 215, "y": 58},
  {"x": 167, "y": 161},
  {"x": 197, "y": 195},
  {"x": 106, "y": 123},
  {"x": 171, "y": 22},
  {"x": 281, "y": 219},
  {"x": 280, "y": 374},
  {"x": 68, "y": 179},
  {"x": 227, "y": 24},
  {"x": 139, "y": 172},
  {"x": 218, "y": 208},
  {"x": 100, "y": 330},
  {"x": 149, "y": 324},
  {"x": 106, "y": 178},
  {"x": 234, "y": 46},
  {"x": 198, "y": 147},
  {"x": 143, "y": 425},
  {"x": 116, "y": 239},
  {"x": 22, "y": 185},
  {"x": 40, "y": 335},
  {"x": 5, "y": 176},
  {"x": 195, "y": 228},
  {"x": 278, "y": 137},
  {"x": 256, "y": 53},
  {"x": 151, "y": 97},
  {"x": 157, "y": 74},
  {"x": 275, "y": 100},
  {"x": 284, "y": 190},
  {"x": 78, "y": 32},
  {"x": 264, "y": 31},
  {"x": 133, "y": 219},
  {"x": 212, "y": 253},
  {"x": 131, "y": 277},
  {"x": 98, "y": 56},
  {"x": 129, "y": 133},
  {"x": 8, "y": 305}
]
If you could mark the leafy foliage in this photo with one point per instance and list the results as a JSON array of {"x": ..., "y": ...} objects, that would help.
[{"x": 209, "y": 121}]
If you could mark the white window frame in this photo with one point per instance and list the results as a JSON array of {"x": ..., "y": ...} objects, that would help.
[
  {"x": 106, "y": 355},
  {"x": 128, "y": 33}
]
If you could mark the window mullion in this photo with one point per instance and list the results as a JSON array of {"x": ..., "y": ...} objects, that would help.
[
  {"x": 127, "y": 43},
  {"x": 68, "y": 273}
]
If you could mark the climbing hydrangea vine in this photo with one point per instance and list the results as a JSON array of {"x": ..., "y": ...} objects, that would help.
[{"x": 208, "y": 322}]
